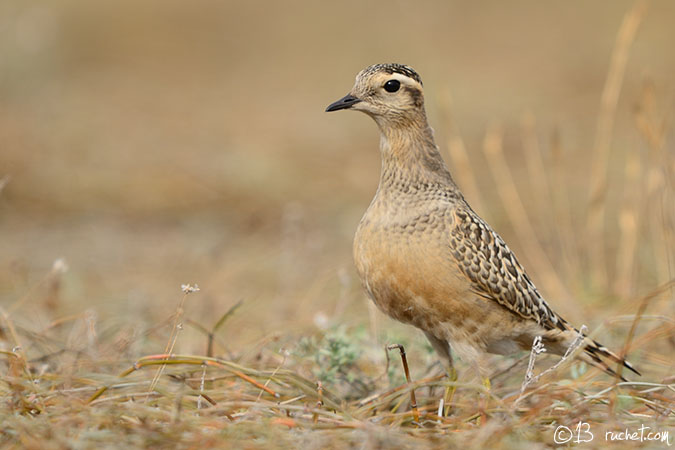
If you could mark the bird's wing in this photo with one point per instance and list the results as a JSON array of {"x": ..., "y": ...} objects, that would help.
[
  {"x": 494, "y": 271},
  {"x": 496, "y": 274}
]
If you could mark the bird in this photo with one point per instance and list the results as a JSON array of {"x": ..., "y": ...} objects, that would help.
[{"x": 425, "y": 257}]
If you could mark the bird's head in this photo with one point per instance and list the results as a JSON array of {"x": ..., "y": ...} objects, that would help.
[{"x": 390, "y": 93}]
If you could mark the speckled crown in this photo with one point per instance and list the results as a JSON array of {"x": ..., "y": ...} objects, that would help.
[{"x": 393, "y": 68}]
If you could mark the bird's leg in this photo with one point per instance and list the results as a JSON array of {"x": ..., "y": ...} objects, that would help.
[
  {"x": 479, "y": 366},
  {"x": 486, "y": 383},
  {"x": 450, "y": 389},
  {"x": 442, "y": 347}
]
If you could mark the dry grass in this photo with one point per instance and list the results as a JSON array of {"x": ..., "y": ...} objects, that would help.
[
  {"x": 141, "y": 186},
  {"x": 72, "y": 384}
]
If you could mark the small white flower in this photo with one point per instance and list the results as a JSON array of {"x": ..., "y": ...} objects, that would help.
[
  {"x": 189, "y": 288},
  {"x": 321, "y": 320},
  {"x": 60, "y": 266}
]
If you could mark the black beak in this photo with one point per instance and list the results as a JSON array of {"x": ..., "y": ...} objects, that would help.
[{"x": 344, "y": 103}]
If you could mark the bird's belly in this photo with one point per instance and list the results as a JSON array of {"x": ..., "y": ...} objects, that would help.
[{"x": 408, "y": 279}]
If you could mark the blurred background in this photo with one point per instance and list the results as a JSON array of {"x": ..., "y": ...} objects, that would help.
[{"x": 151, "y": 144}]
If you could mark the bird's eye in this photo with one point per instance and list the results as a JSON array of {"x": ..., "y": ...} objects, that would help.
[{"x": 392, "y": 85}]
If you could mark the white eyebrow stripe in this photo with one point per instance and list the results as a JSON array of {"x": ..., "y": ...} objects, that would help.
[{"x": 403, "y": 79}]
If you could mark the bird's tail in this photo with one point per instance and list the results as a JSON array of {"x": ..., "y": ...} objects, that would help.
[{"x": 598, "y": 355}]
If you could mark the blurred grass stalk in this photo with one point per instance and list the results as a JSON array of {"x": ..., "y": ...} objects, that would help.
[
  {"x": 516, "y": 212},
  {"x": 602, "y": 151}
]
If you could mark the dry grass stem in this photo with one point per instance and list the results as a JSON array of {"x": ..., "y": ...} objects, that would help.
[
  {"x": 601, "y": 147},
  {"x": 413, "y": 400},
  {"x": 175, "y": 329},
  {"x": 538, "y": 348},
  {"x": 517, "y": 213}
]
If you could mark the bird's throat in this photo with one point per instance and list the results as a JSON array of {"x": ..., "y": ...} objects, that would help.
[{"x": 410, "y": 155}]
